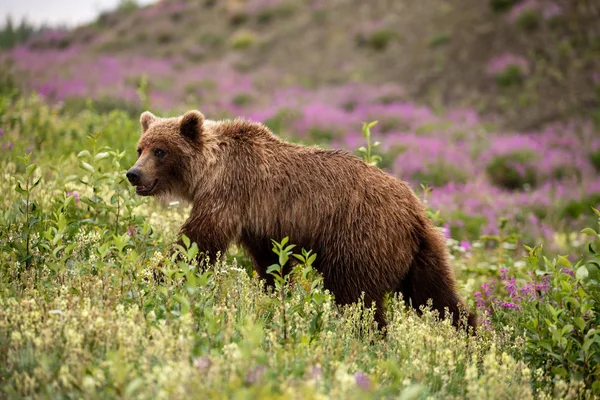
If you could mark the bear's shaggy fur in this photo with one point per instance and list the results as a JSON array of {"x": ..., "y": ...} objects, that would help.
[{"x": 369, "y": 230}]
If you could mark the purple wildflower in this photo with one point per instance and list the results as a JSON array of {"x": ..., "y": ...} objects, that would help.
[
  {"x": 480, "y": 302},
  {"x": 568, "y": 271},
  {"x": 508, "y": 305},
  {"x": 512, "y": 289},
  {"x": 528, "y": 290},
  {"x": 131, "y": 230},
  {"x": 362, "y": 380},
  {"x": 75, "y": 195},
  {"x": 544, "y": 285},
  {"x": 1, "y": 132},
  {"x": 487, "y": 288},
  {"x": 465, "y": 244}
]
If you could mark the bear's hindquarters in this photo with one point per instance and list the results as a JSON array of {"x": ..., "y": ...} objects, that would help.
[{"x": 430, "y": 277}]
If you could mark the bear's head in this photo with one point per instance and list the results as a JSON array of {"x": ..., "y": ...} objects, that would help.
[{"x": 172, "y": 152}]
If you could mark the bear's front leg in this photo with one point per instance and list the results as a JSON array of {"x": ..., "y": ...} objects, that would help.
[{"x": 211, "y": 232}]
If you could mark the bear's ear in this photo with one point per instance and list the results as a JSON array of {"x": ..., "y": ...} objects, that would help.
[
  {"x": 191, "y": 124},
  {"x": 146, "y": 119}
]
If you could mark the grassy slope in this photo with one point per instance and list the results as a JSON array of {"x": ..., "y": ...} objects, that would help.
[{"x": 438, "y": 50}]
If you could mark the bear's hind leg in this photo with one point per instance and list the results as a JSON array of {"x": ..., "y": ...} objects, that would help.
[{"x": 430, "y": 277}]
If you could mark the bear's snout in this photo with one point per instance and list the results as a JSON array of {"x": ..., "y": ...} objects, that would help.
[{"x": 133, "y": 175}]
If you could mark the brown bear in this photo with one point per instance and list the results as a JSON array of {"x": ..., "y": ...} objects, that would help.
[{"x": 369, "y": 230}]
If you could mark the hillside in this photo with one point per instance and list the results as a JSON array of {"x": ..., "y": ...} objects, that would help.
[
  {"x": 445, "y": 54},
  {"x": 489, "y": 110}
]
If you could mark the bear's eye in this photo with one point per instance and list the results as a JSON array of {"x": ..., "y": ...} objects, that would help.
[
  {"x": 139, "y": 151},
  {"x": 159, "y": 153}
]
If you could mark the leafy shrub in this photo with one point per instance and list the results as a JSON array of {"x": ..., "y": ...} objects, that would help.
[
  {"x": 595, "y": 159},
  {"x": 242, "y": 99},
  {"x": 502, "y": 5},
  {"x": 128, "y": 6},
  {"x": 74, "y": 105},
  {"x": 469, "y": 226},
  {"x": 280, "y": 121},
  {"x": 512, "y": 171},
  {"x": 439, "y": 39},
  {"x": 164, "y": 37},
  {"x": 529, "y": 20},
  {"x": 378, "y": 40},
  {"x": 268, "y": 14},
  {"x": 511, "y": 76},
  {"x": 389, "y": 157},
  {"x": 440, "y": 174},
  {"x": 238, "y": 18},
  {"x": 321, "y": 135},
  {"x": 576, "y": 208},
  {"x": 243, "y": 40},
  {"x": 211, "y": 40},
  {"x": 11, "y": 35},
  {"x": 555, "y": 305}
]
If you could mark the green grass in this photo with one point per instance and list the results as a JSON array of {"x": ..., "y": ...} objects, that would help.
[{"x": 92, "y": 305}]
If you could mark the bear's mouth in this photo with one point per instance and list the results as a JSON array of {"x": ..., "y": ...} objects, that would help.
[{"x": 146, "y": 190}]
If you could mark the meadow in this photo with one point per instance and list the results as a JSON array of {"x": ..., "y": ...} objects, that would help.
[{"x": 94, "y": 304}]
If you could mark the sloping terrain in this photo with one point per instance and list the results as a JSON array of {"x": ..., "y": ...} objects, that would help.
[{"x": 443, "y": 53}]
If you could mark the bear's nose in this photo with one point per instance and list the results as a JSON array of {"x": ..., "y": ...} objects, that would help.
[{"x": 133, "y": 175}]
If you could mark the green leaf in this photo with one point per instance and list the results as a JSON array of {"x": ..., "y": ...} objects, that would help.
[
  {"x": 193, "y": 251},
  {"x": 56, "y": 251},
  {"x": 185, "y": 303},
  {"x": 283, "y": 258},
  {"x": 579, "y": 322},
  {"x": 589, "y": 231},
  {"x": 103, "y": 155},
  {"x": 84, "y": 154},
  {"x": 278, "y": 280},
  {"x": 86, "y": 166},
  {"x": 371, "y": 124},
  {"x": 30, "y": 169},
  {"x": 186, "y": 241},
  {"x": 581, "y": 272},
  {"x": 596, "y": 211},
  {"x": 587, "y": 342},
  {"x": 567, "y": 328},
  {"x": 20, "y": 190},
  {"x": 273, "y": 268},
  {"x": 564, "y": 261}
]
